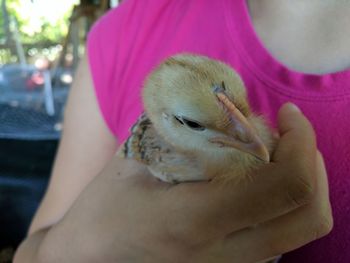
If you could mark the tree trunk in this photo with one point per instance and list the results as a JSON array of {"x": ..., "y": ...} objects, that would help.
[{"x": 9, "y": 39}]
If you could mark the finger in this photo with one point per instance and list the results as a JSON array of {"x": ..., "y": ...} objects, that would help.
[
  {"x": 297, "y": 134},
  {"x": 206, "y": 211},
  {"x": 297, "y": 146},
  {"x": 276, "y": 188},
  {"x": 287, "y": 232}
]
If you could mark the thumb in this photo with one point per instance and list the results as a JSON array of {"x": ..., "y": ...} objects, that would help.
[{"x": 297, "y": 136}]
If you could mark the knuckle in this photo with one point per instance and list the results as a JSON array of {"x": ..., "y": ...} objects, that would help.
[
  {"x": 323, "y": 226},
  {"x": 300, "y": 192},
  {"x": 301, "y": 186},
  {"x": 320, "y": 226},
  {"x": 312, "y": 230}
]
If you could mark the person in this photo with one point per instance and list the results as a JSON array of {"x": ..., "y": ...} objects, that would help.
[{"x": 99, "y": 208}]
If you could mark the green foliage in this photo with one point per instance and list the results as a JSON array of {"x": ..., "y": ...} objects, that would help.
[
  {"x": 41, "y": 26},
  {"x": 38, "y": 29}
]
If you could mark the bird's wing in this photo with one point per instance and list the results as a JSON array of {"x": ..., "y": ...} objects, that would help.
[
  {"x": 148, "y": 147},
  {"x": 143, "y": 144}
]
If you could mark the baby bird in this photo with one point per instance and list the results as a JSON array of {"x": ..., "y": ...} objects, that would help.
[{"x": 197, "y": 123}]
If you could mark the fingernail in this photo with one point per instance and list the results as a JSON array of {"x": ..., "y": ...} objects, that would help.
[{"x": 292, "y": 107}]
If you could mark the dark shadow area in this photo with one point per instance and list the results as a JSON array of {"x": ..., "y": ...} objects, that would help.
[{"x": 24, "y": 172}]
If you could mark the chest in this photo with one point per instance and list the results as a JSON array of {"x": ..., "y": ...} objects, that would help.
[{"x": 306, "y": 36}]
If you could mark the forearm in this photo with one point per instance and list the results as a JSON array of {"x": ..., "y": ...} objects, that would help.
[
  {"x": 28, "y": 250},
  {"x": 54, "y": 244}
]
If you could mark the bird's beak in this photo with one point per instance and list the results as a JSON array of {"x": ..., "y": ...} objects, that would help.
[{"x": 241, "y": 134}]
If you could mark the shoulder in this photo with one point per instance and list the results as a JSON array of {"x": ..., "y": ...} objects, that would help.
[
  {"x": 140, "y": 8},
  {"x": 135, "y": 12},
  {"x": 119, "y": 28}
]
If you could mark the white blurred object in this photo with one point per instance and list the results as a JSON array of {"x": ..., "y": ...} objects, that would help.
[
  {"x": 42, "y": 63},
  {"x": 49, "y": 105},
  {"x": 66, "y": 78},
  {"x": 114, "y": 3},
  {"x": 58, "y": 127}
]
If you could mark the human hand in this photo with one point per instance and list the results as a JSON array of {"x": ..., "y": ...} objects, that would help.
[{"x": 126, "y": 215}]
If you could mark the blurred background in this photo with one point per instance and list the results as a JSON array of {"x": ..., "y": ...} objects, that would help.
[{"x": 41, "y": 42}]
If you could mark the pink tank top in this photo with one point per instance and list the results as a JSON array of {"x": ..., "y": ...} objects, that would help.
[{"x": 132, "y": 39}]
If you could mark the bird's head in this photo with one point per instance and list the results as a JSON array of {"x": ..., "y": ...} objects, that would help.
[{"x": 200, "y": 104}]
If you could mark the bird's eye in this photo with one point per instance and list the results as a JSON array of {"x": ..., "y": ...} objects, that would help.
[{"x": 193, "y": 125}]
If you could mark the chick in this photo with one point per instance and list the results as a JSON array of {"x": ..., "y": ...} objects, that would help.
[{"x": 197, "y": 123}]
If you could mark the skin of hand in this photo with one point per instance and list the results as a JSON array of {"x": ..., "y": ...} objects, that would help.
[{"x": 126, "y": 215}]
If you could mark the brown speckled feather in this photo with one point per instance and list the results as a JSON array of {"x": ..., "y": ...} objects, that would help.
[
  {"x": 142, "y": 136},
  {"x": 161, "y": 158}
]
